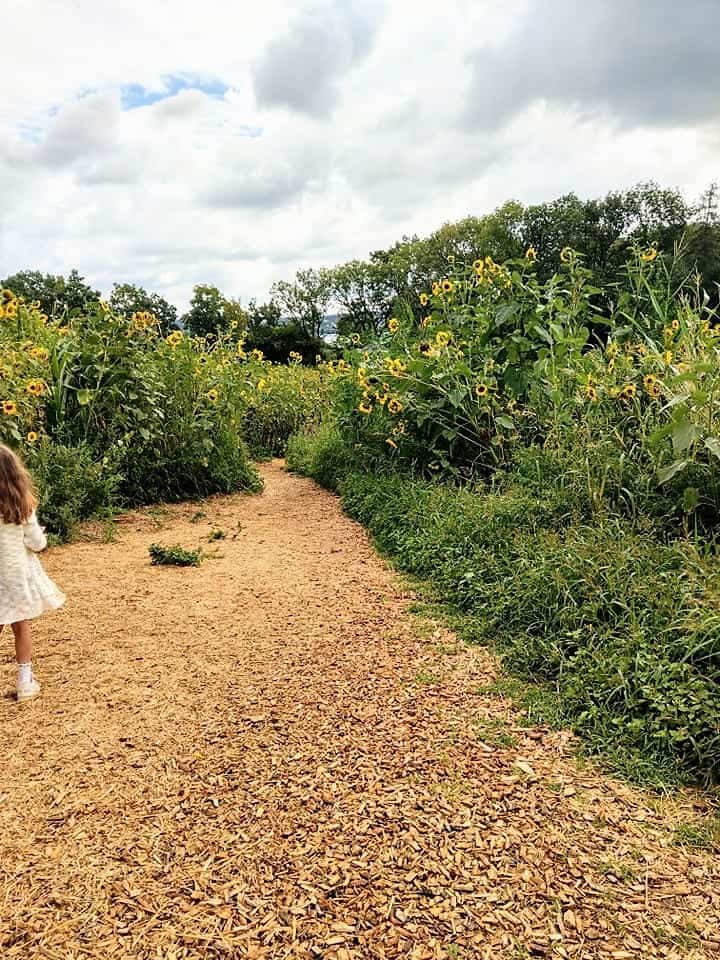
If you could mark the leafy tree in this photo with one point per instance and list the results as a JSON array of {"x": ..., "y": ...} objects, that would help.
[
  {"x": 701, "y": 250},
  {"x": 58, "y": 296},
  {"x": 365, "y": 294},
  {"x": 263, "y": 315},
  {"x": 128, "y": 299},
  {"x": 210, "y": 312},
  {"x": 305, "y": 301}
]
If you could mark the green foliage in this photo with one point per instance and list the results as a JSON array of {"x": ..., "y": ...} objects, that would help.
[
  {"x": 127, "y": 298},
  {"x": 73, "y": 484},
  {"x": 56, "y": 296},
  {"x": 304, "y": 302},
  {"x": 321, "y": 454},
  {"x": 211, "y": 313},
  {"x": 175, "y": 556}
]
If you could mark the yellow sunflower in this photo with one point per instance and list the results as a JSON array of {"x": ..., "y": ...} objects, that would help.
[
  {"x": 436, "y": 289},
  {"x": 394, "y": 406},
  {"x": 213, "y": 396},
  {"x": 32, "y": 437},
  {"x": 649, "y": 255},
  {"x": 39, "y": 353},
  {"x": 628, "y": 391},
  {"x": 424, "y": 299},
  {"x": 257, "y": 355},
  {"x": 481, "y": 390},
  {"x": 566, "y": 255},
  {"x": 442, "y": 338},
  {"x": 365, "y": 407},
  {"x": 35, "y": 387},
  {"x": 447, "y": 286},
  {"x": 9, "y": 408},
  {"x": 393, "y": 325},
  {"x": 531, "y": 254},
  {"x": 590, "y": 392}
]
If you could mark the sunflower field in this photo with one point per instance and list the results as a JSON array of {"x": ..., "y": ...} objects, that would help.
[
  {"x": 552, "y": 468},
  {"x": 107, "y": 411}
]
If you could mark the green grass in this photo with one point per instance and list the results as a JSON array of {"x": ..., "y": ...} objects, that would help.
[{"x": 700, "y": 834}]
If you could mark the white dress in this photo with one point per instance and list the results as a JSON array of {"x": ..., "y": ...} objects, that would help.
[{"x": 26, "y": 591}]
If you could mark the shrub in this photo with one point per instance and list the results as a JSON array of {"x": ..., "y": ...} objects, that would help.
[
  {"x": 73, "y": 485},
  {"x": 174, "y": 556}
]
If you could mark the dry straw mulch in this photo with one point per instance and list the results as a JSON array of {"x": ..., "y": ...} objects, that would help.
[{"x": 267, "y": 757}]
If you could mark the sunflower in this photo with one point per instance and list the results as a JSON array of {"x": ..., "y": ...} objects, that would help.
[
  {"x": 394, "y": 406},
  {"x": 442, "y": 338},
  {"x": 213, "y": 396},
  {"x": 382, "y": 398},
  {"x": 675, "y": 325},
  {"x": 9, "y": 408},
  {"x": 11, "y": 310},
  {"x": 39, "y": 353},
  {"x": 391, "y": 443},
  {"x": 203, "y": 358},
  {"x": 365, "y": 407},
  {"x": 425, "y": 348},
  {"x": 612, "y": 351},
  {"x": 63, "y": 331},
  {"x": 668, "y": 357},
  {"x": 591, "y": 393},
  {"x": 447, "y": 286},
  {"x": 425, "y": 322},
  {"x": 481, "y": 390},
  {"x": 35, "y": 387},
  {"x": 262, "y": 383},
  {"x": 175, "y": 338},
  {"x": 399, "y": 429},
  {"x": 655, "y": 390},
  {"x": 257, "y": 355},
  {"x": 649, "y": 255},
  {"x": 436, "y": 289},
  {"x": 531, "y": 254},
  {"x": 479, "y": 266},
  {"x": 628, "y": 391},
  {"x": 7, "y": 295},
  {"x": 566, "y": 255},
  {"x": 393, "y": 325},
  {"x": 355, "y": 339},
  {"x": 649, "y": 382},
  {"x": 32, "y": 437},
  {"x": 424, "y": 299}
]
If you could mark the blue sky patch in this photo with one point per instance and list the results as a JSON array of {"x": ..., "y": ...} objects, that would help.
[{"x": 134, "y": 95}]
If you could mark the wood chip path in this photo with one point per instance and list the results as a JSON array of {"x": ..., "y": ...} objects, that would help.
[{"x": 271, "y": 757}]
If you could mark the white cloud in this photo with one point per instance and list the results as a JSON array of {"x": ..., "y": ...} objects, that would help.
[{"x": 342, "y": 126}]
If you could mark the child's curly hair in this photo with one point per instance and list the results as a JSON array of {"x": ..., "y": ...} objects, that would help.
[{"x": 18, "y": 498}]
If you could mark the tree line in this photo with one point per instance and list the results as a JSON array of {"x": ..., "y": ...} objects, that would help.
[{"x": 366, "y": 293}]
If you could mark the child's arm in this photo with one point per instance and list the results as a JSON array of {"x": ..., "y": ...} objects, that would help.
[{"x": 34, "y": 535}]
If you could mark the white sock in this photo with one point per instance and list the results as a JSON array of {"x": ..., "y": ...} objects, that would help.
[{"x": 24, "y": 674}]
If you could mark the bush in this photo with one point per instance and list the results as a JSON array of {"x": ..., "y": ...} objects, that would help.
[
  {"x": 73, "y": 485},
  {"x": 320, "y": 454}
]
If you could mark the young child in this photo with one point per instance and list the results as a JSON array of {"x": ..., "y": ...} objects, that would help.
[{"x": 26, "y": 591}]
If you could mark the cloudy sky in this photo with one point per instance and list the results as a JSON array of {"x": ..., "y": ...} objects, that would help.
[{"x": 172, "y": 143}]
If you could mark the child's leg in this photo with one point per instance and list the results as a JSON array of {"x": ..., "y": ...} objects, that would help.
[{"x": 23, "y": 641}]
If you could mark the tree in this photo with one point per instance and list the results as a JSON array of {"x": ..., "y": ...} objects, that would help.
[
  {"x": 128, "y": 299},
  {"x": 211, "y": 313},
  {"x": 365, "y": 294},
  {"x": 305, "y": 301},
  {"x": 263, "y": 315},
  {"x": 58, "y": 296}
]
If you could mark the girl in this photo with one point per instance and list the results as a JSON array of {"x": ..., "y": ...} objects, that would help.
[{"x": 25, "y": 589}]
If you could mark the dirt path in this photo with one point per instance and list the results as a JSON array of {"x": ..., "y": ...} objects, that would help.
[{"x": 268, "y": 757}]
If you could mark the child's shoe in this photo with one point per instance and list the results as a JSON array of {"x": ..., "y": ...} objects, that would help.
[{"x": 28, "y": 690}]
